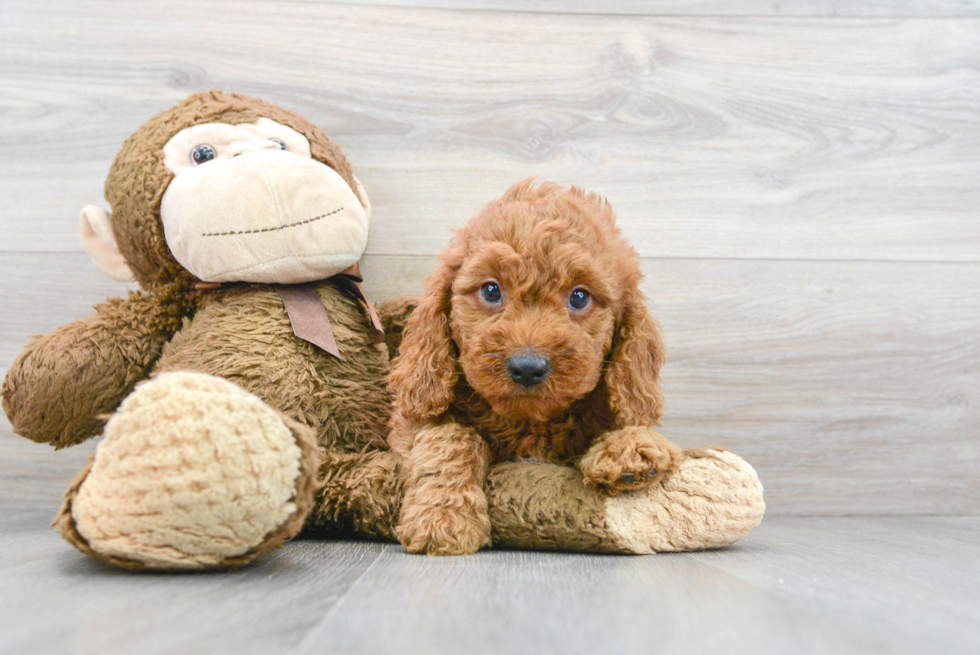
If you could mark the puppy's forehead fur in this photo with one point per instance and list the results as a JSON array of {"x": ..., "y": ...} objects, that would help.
[{"x": 555, "y": 235}]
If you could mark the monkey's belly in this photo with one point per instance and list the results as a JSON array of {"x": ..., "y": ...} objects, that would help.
[{"x": 244, "y": 335}]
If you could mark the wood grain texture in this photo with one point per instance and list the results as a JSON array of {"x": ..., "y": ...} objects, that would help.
[
  {"x": 768, "y": 8},
  {"x": 78, "y": 605},
  {"x": 796, "y": 585},
  {"x": 713, "y": 137},
  {"x": 854, "y": 388}
]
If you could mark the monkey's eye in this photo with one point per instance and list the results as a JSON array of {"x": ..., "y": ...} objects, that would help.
[
  {"x": 579, "y": 299},
  {"x": 282, "y": 144},
  {"x": 202, "y": 153},
  {"x": 490, "y": 292}
]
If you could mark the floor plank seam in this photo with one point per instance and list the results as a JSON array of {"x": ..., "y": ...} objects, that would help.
[{"x": 304, "y": 644}]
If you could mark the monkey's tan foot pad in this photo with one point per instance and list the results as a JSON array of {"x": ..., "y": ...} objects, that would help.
[
  {"x": 712, "y": 500},
  {"x": 193, "y": 473}
]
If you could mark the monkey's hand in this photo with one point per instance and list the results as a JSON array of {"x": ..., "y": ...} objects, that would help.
[{"x": 62, "y": 386}]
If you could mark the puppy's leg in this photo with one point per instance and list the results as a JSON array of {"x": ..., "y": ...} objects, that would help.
[
  {"x": 445, "y": 506},
  {"x": 628, "y": 459}
]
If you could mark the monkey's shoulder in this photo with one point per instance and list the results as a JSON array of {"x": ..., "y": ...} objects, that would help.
[
  {"x": 251, "y": 322},
  {"x": 254, "y": 305}
]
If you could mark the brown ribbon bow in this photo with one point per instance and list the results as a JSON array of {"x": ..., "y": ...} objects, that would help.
[{"x": 309, "y": 317}]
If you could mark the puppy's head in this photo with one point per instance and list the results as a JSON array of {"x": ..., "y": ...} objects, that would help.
[{"x": 536, "y": 303}]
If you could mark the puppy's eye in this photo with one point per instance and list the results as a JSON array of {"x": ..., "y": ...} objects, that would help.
[
  {"x": 282, "y": 144},
  {"x": 490, "y": 292},
  {"x": 202, "y": 153},
  {"x": 579, "y": 299}
]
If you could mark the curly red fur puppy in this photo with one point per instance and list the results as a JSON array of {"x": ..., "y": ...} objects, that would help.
[{"x": 532, "y": 341}]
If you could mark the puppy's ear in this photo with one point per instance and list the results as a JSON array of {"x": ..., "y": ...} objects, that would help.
[
  {"x": 425, "y": 372},
  {"x": 633, "y": 371}
]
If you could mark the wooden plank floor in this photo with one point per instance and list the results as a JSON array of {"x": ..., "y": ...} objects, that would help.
[{"x": 797, "y": 585}]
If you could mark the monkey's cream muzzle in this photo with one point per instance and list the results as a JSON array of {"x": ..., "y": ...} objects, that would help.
[{"x": 259, "y": 209}]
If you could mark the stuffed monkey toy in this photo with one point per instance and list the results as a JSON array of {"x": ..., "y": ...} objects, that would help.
[{"x": 241, "y": 393}]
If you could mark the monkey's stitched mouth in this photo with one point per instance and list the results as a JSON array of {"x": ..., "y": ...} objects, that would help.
[{"x": 274, "y": 229}]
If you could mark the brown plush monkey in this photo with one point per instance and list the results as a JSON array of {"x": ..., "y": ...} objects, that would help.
[{"x": 228, "y": 426}]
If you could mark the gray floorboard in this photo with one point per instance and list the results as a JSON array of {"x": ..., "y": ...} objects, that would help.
[{"x": 796, "y": 585}]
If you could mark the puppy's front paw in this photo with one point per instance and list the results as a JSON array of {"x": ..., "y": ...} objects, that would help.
[
  {"x": 629, "y": 459},
  {"x": 437, "y": 530}
]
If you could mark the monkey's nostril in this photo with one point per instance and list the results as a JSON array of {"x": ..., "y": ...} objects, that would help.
[{"x": 528, "y": 368}]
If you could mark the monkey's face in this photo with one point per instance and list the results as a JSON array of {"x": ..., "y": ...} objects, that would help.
[{"x": 248, "y": 203}]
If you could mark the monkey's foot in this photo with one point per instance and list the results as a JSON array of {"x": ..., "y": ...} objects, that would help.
[
  {"x": 193, "y": 473},
  {"x": 713, "y": 499}
]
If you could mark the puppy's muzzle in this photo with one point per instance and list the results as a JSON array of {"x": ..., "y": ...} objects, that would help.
[{"x": 528, "y": 368}]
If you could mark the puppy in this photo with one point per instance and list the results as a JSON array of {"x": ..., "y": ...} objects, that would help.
[{"x": 532, "y": 340}]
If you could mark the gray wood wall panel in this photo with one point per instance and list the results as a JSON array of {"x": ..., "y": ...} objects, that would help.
[
  {"x": 768, "y": 8},
  {"x": 714, "y": 137},
  {"x": 804, "y": 191}
]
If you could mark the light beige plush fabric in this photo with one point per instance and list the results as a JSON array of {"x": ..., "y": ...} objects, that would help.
[
  {"x": 227, "y": 140},
  {"x": 193, "y": 470},
  {"x": 95, "y": 229},
  {"x": 256, "y": 212},
  {"x": 713, "y": 500}
]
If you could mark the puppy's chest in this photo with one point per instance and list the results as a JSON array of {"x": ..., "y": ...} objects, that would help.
[{"x": 562, "y": 440}]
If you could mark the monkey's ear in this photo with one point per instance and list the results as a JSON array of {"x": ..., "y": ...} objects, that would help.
[
  {"x": 95, "y": 228},
  {"x": 363, "y": 197}
]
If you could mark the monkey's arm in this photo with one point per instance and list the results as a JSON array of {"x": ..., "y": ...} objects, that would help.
[
  {"x": 61, "y": 386},
  {"x": 712, "y": 500}
]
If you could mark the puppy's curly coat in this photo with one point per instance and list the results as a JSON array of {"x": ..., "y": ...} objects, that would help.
[{"x": 532, "y": 341}]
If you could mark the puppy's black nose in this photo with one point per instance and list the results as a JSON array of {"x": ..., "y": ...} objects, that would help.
[{"x": 528, "y": 368}]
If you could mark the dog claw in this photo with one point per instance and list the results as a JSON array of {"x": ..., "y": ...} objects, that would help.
[{"x": 630, "y": 478}]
